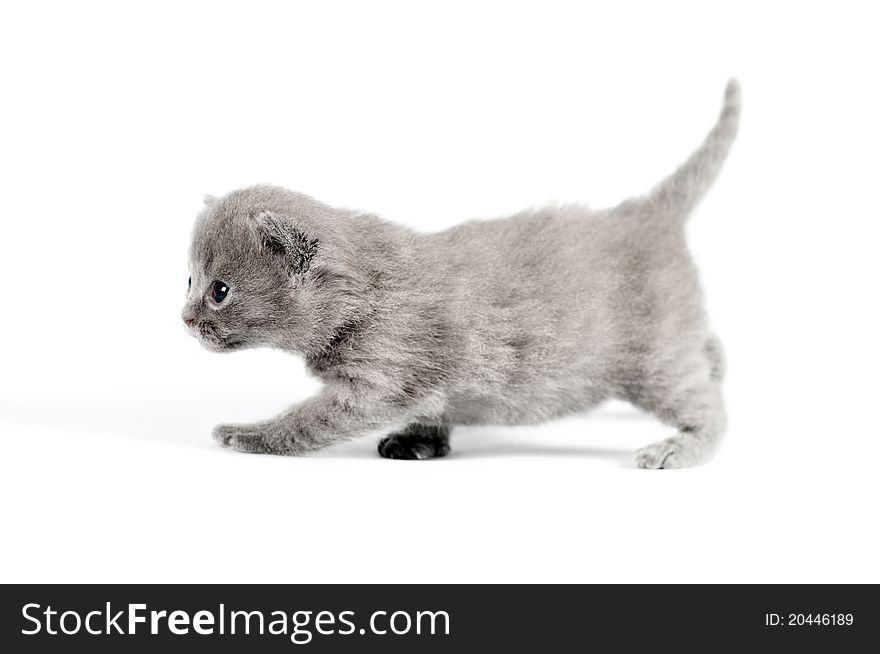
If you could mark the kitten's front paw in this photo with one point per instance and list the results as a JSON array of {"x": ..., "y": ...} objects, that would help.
[
  {"x": 258, "y": 438},
  {"x": 224, "y": 434},
  {"x": 243, "y": 438},
  {"x": 406, "y": 446}
]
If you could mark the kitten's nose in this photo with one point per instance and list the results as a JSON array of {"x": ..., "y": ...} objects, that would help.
[{"x": 189, "y": 320}]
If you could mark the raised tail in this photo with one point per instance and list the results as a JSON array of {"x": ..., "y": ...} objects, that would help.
[{"x": 679, "y": 193}]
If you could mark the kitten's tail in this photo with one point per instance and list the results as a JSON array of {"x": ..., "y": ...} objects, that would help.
[{"x": 678, "y": 194}]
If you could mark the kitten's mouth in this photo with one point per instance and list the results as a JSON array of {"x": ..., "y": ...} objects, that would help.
[
  {"x": 222, "y": 345},
  {"x": 212, "y": 340}
]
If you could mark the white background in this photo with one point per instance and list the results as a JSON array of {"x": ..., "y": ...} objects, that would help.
[{"x": 116, "y": 120}]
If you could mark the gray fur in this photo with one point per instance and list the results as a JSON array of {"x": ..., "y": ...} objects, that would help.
[{"x": 508, "y": 321}]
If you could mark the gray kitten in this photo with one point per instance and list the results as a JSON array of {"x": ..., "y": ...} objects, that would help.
[{"x": 507, "y": 321}]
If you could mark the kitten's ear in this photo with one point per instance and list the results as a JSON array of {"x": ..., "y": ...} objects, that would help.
[
  {"x": 286, "y": 241},
  {"x": 209, "y": 200}
]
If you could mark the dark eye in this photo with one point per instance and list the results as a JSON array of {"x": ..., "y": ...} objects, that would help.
[
  {"x": 219, "y": 291},
  {"x": 189, "y": 283}
]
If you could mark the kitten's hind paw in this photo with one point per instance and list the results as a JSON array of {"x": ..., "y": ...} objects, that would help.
[
  {"x": 410, "y": 446},
  {"x": 670, "y": 453}
]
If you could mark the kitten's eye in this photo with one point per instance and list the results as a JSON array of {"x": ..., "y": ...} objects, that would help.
[
  {"x": 189, "y": 283},
  {"x": 219, "y": 291}
]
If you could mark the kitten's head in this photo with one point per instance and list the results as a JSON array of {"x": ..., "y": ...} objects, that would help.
[{"x": 257, "y": 275}]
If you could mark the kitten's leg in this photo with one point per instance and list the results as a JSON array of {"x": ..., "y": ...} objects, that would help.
[
  {"x": 332, "y": 416},
  {"x": 691, "y": 402},
  {"x": 416, "y": 442}
]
